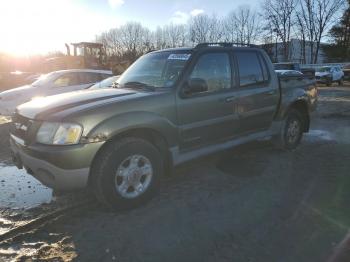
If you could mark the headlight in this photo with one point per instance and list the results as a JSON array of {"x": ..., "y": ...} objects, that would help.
[{"x": 59, "y": 133}]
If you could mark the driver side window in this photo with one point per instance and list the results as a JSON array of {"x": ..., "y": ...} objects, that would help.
[
  {"x": 65, "y": 80},
  {"x": 212, "y": 72}
]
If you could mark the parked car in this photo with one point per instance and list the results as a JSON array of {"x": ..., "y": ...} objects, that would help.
[
  {"x": 329, "y": 74},
  {"x": 288, "y": 73},
  {"x": 107, "y": 83},
  {"x": 169, "y": 107},
  {"x": 50, "y": 84},
  {"x": 296, "y": 67}
]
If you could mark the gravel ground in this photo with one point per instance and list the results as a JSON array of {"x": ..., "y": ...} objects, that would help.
[{"x": 252, "y": 203}]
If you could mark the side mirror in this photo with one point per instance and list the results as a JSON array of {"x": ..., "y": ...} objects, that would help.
[{"x": 195, "y": 85}]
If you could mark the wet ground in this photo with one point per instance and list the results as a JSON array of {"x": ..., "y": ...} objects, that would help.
[
  {"x": 252, "y": 203},
  {"x": 21, "y": 191}
]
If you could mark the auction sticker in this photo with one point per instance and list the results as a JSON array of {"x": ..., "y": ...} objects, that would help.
[{"x": 179, "y": 56}]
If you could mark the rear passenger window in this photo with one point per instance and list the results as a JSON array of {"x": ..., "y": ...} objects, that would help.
[
  {"x": 68, "y": 79},
  {"x": 251, "y": 71},
  {"x": 214, "y": 70}
]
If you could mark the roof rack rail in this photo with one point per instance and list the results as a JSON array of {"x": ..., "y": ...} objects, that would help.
[{"x": 223, "y": 44}]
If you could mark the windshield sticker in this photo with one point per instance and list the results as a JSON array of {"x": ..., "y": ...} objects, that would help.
[{"x": 179, "y": 56}]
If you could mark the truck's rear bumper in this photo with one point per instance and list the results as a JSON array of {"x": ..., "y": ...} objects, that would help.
[{"x": 48, "y": 173}]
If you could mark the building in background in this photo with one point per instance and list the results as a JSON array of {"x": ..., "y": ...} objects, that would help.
[{"x": 297, "y": 52}]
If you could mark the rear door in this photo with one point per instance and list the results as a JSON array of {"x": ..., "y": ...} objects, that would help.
[
  {"x": 207, "y": 115},
  {"x": 257, "y": 96}
]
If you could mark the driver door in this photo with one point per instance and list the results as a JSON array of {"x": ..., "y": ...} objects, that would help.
[{"x": 206, "y": 111}]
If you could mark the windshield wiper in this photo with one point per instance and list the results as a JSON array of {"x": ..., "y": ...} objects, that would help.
[{"x": 138, "y": 85}]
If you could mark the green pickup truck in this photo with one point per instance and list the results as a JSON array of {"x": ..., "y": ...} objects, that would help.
[{"x": 169, "y": 107}]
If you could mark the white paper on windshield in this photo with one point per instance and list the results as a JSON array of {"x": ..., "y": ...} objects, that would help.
[{"x": 179, "y": 56}]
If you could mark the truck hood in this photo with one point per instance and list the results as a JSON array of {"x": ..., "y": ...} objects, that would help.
[{"x": 42, "y": 108}]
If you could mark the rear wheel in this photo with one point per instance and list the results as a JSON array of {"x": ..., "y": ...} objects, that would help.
[
  {"x": 291, "y": 131},
  {"x": 126, "y": 173}
]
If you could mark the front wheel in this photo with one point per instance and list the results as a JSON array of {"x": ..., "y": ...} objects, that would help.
[
  {"x": 291, "y": 131},
  {"x": 126, "y": 173}
]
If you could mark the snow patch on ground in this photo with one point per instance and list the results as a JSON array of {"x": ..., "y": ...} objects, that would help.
[
  {"x": 320, "y": 135},
  {"x": 19, "y": 190}
]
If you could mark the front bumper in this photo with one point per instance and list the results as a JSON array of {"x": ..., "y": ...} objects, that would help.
[{"x": 58, "y": 167}]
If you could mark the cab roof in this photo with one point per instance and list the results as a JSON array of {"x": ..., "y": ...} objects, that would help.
[{"x": 210, "y": 45}]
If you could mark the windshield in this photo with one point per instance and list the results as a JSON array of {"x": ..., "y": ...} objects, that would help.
[
  {"x": 324, "y": 69},
  {"x": 160, "y": 69},
  {"x": 108, "y": 82},
  {"x": 43, "y": 79}
]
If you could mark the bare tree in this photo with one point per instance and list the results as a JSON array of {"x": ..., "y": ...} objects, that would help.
[
  {"x": 306, "y": 21},
  {"x": 130, "y": 41},
  {"x": 269, "y": 40},
  {"x": 279, "y": 14},
  {"x": 314, "y": 18},
  {"x": 159, "y": 38},
  {"x": 241, "y": 25},
  {"x": 134, "y": 39},
  {"x": 301, "y": 34},
  {"x": 106, "y": 38},
  {"x": 326, "y": 10},
  {"x": 203, "y": 28},
  {"x": 216, "y": 30},
  {"x": 175, "y": 35},
  {"x": 199, "y": 27}
]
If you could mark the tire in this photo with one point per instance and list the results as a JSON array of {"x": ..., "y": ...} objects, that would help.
[
  {"x": 291, "y": 131},
  {"x": 126, "y": 173}
]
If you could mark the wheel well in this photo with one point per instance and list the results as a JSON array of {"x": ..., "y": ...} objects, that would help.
[
  {"x": 150, "y": 135},
  {"x": 302, "y": 107}
]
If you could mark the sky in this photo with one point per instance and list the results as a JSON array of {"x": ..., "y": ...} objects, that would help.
[{"x": 30, "y": 27}]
